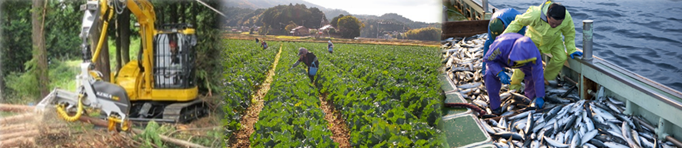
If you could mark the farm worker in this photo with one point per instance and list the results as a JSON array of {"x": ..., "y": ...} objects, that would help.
[
  {"x": 264, "y": 44},
  {"x": 546, "y": 24},
  {"x": 515, "y": 51},
  {"x": 256, "y": 40},
  {"x": 498, "y": 22},
  {"x": 310, "y": 60},
  {"x": 330, "y": 46}
]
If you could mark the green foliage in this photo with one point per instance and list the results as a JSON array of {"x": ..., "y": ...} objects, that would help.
[
  {"x": 291, "y": 25},
  {"x": 21, "y": 86},
  {"x": 150, "y": 135},
  {"x": 385, "y": 100},
  {"x": 350, "y": 26},
  {"x": 335, "y": 20},
  {"x": 291, "y": 116},
  {"x": 244, "y": 69},
  {"x": 375, "y": 28},
  {"x": 279, "y": 16},
  {"x": 16, "y": 36},
  {"x": 426, "y": 34}
]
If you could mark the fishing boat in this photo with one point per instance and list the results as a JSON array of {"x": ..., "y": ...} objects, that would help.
[{"x": 647, "y": 103}]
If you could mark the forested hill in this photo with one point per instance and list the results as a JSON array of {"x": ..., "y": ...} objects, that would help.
[
  {"x": 264, "y": 4},
  {"x": 242, "y": 10}
]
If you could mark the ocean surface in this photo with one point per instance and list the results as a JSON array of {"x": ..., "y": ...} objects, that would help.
[{"x": 643, "y": 36}]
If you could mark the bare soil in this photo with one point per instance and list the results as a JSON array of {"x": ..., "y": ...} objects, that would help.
[{"x": 340, "y": 132}]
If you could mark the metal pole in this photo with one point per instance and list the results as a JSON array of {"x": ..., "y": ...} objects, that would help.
[
  {"x": 445, "y": 14},
  {"x": 669, "y": 138},
  {"x": 587, "y": 39},
  {"x": 485, "y": 7}
]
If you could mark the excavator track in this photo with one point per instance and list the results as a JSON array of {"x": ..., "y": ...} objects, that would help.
[{"x": 179, "y": 113}]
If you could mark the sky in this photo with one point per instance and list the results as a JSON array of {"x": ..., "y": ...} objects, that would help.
[{"x": 429, "y": 11}]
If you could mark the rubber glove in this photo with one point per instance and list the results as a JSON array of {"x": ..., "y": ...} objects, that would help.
[
  {"x": 576, "y": 53},
  {"x": 539, "y": 102},
  {"x": 504, "y": 78}
]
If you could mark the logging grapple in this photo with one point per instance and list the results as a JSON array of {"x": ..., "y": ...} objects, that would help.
[{"x": 159, "y": 85}]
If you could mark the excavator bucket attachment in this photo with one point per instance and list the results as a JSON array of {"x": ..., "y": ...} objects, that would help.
[{"x": 55, "y": 97}]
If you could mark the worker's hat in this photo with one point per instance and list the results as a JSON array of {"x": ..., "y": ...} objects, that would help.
[
  {"x": 302, "y": 51},
  {"x": 496, "y": 27}
]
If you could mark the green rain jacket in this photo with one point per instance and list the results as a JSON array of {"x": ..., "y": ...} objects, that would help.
[{"x": 543, "y": 35}]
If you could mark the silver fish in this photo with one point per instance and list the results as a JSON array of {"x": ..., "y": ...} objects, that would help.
[
  {"x": 635, "y": 136},
  {"x": 626, "y": 134},
  {"x": 480, "y": 103},
  {"x": 554, "y": 143},
  {"x": 469, "y": 85},
  {"x": 521, "y": 115},
  {"x": 614, "y": 145},
  {"x": 588, "y": 136},
  {"x": 646, "y": 143},
  {"x": 587, "y": 145},
  {"x": 487, "y": 127},
  {"x": 575, "y": 141},
  {"x": 614, "y": 101}
]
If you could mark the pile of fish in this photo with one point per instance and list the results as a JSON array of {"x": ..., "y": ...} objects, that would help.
[{"x": 564, "y": 121}]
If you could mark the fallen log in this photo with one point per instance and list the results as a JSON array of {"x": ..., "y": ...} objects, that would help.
[
  {"x": 15, "y": 108},
  {"x": 97, "y": 122},
  {"x": 16, "y": 142},
  {"x": 17, "y": 118},
  {"x": 100, "y": 122},
  {"x": 23, "y": 127},
  {"x": 29, "y": 133}
]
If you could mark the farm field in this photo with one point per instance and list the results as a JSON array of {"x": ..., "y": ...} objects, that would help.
[{"x": 365, "y": 96}]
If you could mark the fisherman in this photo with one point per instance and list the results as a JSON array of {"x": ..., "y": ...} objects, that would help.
[
  {"x": 515, "y": 51},
  {"x": 330, "y": 46},
  {"x": 310, "y": 60},
  {"x": 546, "y": 25},
  {"x": 498, "y": 22},
  {"x": 264, "y": 44}
]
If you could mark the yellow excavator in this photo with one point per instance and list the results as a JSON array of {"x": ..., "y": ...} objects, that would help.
[{"x": 160, "y": 85}]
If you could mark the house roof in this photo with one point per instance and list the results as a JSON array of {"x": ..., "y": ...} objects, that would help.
[{"x": 325, "y": 27}]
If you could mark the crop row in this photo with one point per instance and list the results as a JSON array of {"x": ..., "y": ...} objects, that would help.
[
  {"x": 388, "y": 95},
  {"x": 245, "y": 67},
  {"x": 291, "y": 115}
]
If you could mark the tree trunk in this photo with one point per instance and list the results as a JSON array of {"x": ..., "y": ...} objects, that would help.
[
  {"x": 183, "y": 7},
  {"x": 123, "y": 39},
  {"x": 124, "y": 31},
  {"x": 173, "y": 12},
  {"x": 118, "y": 46},
  {"x": 39, "y": 52},
  {"x": 102, "y": 63}
]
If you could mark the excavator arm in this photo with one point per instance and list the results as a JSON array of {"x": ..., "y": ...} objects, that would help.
[{"x": 91, "y": 91}]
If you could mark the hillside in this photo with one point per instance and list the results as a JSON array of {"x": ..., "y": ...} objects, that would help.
[
  {"x": 258, "y": 4},
  {"x": 329, "y": 13}
]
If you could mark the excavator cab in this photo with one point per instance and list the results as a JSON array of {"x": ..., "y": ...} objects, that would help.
[{"x": 174, "y": 94}]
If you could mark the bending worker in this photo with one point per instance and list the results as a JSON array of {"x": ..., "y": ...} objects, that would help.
[
  {"x": 515, "y": 51},
  {"x": 264, "y": 44},
  {"x": 546, "y": 24},
  {"x": 330, "y": 46},
  {"x": 310, "y": 60},
  {"x": 498, "y": 22}
]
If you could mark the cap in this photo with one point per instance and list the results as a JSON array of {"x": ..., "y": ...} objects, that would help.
[
  {"x": 496, "y": 27},
  {"x": 302, "y": 51}
]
